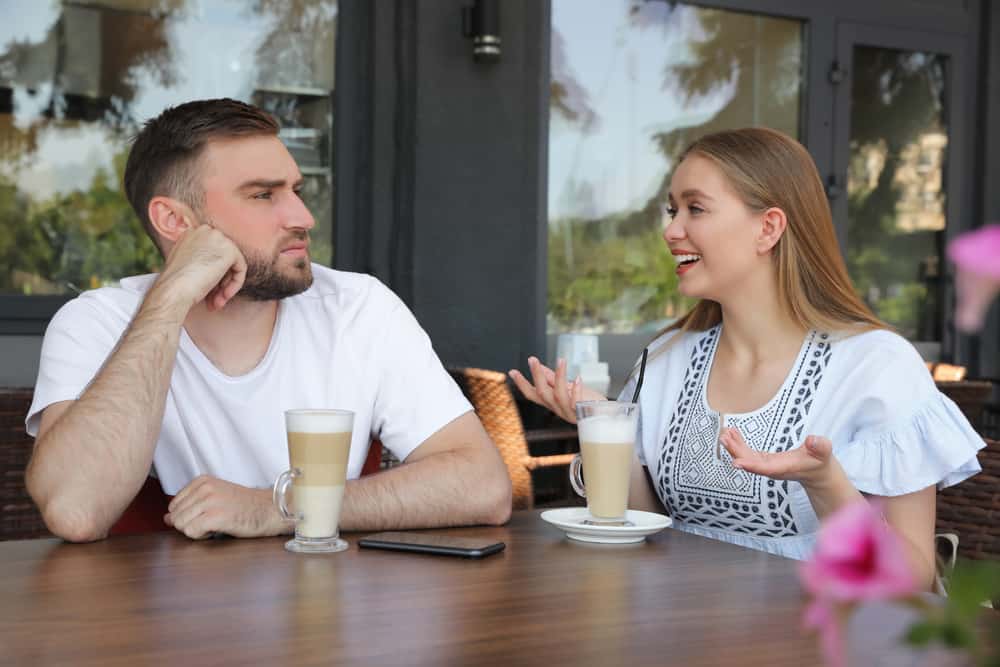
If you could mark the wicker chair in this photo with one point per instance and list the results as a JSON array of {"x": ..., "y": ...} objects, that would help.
[
  {"x": 971, "y": 509},
  {"x": 19, "y": 518},
  {"x": 969, "y": 395},
  {"x": 494, "y": 403}
]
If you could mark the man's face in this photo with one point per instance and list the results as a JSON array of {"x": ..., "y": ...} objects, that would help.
[{"x": 251, "y": 188}]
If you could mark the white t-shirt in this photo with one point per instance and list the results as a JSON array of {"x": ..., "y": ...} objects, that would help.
[
  {"x": 347, "y": 342},
  {"x": 893, "y": 433}
]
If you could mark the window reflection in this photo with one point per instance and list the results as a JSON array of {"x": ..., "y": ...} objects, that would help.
[
  {"x": 77, "y": 79},
  {"x": 633, "y": 83},
  {"x": 896, "y": 195}
]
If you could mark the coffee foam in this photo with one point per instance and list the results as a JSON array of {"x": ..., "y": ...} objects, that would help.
[
  {"x": 602, "y": 428},
  {"x": 319, "y": 421}
]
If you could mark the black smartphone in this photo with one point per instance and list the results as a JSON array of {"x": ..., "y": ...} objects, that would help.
[{"x": 429, "y": 543}]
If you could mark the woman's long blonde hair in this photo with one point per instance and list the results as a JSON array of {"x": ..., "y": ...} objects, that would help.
[{"x": 770, "y": 169}]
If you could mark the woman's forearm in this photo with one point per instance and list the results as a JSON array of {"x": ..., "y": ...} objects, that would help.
[{"x": 831, "y": 490}]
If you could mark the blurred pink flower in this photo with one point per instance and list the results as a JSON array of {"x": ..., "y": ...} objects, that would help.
[
  {"x": 976, "y": 255},
  {"x": 857, "y": 558}
]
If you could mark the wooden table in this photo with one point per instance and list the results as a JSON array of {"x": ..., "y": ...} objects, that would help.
[{"x": 163, "y": 599}]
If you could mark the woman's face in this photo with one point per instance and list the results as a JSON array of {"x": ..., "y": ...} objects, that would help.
[{"x": 711, "y": 233}]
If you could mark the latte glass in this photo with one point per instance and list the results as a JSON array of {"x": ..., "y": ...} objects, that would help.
[
  {"x": 607, "y": 432},
  {"x": 319, "y": 442}
]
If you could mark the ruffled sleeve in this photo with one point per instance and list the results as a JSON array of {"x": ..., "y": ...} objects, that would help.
[{"x": 905, "y": 435}]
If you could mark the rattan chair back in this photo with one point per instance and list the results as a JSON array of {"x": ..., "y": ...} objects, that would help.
[
  {"x": 494, "y": 404},
  {"x": 971, "y": 509}
]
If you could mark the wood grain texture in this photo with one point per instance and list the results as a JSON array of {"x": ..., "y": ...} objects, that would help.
[{"x": 163, "y": 599}]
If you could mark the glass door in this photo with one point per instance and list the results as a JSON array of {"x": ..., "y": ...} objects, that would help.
[{"x": 894, "y": 194}]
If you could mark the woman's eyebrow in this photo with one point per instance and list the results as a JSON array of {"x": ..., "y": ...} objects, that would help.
[{"x": 694, "y": 193}]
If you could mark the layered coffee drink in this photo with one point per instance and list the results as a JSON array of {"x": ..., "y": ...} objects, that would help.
[
  {"x": 607, "y": 432},
  {"x": 606, "y": 445},
  {"x": 319, "y": 490},
  {"x": 319, "y": 444}
]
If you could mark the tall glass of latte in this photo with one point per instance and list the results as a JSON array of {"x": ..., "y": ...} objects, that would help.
[
  {"x": 319, "y": 442},
  {"x": 607, "y": 432}
]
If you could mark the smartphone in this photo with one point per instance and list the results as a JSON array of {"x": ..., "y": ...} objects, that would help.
[{"x": 429, "y": 543}]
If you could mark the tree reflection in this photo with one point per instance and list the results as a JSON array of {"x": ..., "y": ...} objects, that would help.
[
  {"x": 611, "y": 273},
  {"x": 79, "y": 84},
  {"x": 897, "y": 99}
]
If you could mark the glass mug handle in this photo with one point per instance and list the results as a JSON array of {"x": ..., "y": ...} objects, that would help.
[
  {"x": 280, "y": 495},
  {"x": 575, "y": 476}
]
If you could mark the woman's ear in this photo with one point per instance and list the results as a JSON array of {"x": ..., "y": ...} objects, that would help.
[
  {"x": 168, "y": 217},
  {"x": 772, "y": 226}
]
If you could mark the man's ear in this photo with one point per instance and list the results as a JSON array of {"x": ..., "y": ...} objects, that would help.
[
  {"x": 772, "y": 226},
  {"x": 169, "y": 217}
]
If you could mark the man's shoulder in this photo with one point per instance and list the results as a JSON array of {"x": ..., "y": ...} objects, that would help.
[
  {"x": 119, "y": 300},
  {"x": 345, "y": 289}
]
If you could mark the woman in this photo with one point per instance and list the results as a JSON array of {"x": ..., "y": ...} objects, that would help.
[{"x": 814, "y": 401}]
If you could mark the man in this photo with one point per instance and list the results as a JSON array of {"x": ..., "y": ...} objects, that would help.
[{"x": 186, "y": 373}]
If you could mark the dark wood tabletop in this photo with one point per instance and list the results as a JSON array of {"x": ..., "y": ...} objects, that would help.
[{"x": 163, "y": 599}]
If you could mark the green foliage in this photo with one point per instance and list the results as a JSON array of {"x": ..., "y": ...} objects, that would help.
[
  {"x": 960, "y": 623},
  {"x": 73, "y": 241},
  {"x": 611, "y": 274}
]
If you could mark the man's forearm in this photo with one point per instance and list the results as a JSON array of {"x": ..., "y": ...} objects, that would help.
[
  {"x": 449, "y": 489},
  {"x": 90, "y": 463}
]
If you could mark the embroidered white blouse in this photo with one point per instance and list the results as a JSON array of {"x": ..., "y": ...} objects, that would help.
[{"x": 893, "y": 433}]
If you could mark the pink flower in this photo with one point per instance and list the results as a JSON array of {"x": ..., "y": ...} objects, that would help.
[
  {"x": 977, "y": 256},
  {"x": 857, "y": 558}
]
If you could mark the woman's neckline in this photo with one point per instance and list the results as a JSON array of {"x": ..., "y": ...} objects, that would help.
[{"x": 710, "y": 364}]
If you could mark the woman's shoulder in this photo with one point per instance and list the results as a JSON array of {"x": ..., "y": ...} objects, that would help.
[
  {"x": 878, "y": 345},
  {"x": 880, "y": 364}
]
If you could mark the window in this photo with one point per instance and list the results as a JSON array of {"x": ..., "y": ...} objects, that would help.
[
  {"x": 633, "y": 83},
  {"x": 77, "y": 79},
  {"x": 896, "y": 206}
]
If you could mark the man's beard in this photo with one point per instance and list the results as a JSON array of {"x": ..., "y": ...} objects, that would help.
[{"x": 264, "y": 282}]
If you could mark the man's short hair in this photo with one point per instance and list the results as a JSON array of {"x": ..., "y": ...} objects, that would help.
[{"x": 164, "y": 155}]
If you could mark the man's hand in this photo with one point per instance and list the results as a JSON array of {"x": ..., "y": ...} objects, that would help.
[
  {"x": 210, "y": 505},
  {"x": 204, "y": 265}
]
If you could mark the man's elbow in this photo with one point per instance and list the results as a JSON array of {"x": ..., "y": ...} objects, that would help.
[
  {"x": 500, "y": 500},
  {"x": 64, "y": 516},
  {"x": 66, "y": 519},
  {"x": 74, "y": 525}
]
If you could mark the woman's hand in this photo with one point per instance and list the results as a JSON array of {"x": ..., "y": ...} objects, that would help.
[
  {"x": 807, "y": 464},
  {"x": 550, "y": 389}
]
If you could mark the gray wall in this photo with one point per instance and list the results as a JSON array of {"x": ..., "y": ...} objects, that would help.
[
  {"x": 446, "y": 203},
  {"x": 19, "y": 360}
]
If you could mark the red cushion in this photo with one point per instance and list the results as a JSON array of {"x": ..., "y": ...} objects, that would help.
[
  {"x": 373, "y": 463},
  {"x": 145, "y": 514}
]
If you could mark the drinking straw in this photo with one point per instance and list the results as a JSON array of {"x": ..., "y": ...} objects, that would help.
[{"x": 642, "y": 371}]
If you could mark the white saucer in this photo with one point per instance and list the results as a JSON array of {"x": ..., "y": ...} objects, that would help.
[{"x": 570, "y": 521}]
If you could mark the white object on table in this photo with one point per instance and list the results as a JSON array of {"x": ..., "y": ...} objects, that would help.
[
  {"x": 576, "y": 349},
  {"x": 594, "y": 375}
]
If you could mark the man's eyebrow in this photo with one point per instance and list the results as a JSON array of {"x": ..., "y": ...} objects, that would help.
[
  {"x": 269, "y": 184},
  {"x": 261, "y": 184}
]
